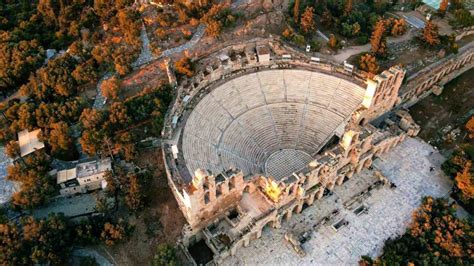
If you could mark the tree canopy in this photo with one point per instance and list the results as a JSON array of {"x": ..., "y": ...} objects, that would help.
[{"x": 435, "y": 237}]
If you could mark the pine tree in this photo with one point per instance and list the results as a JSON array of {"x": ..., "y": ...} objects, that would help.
[
  {"x": 326, "y": 18},
  {"x": 443, "y": 6},
  {"x": 111, "y": 87},
  {"x": 333, "y": 42},
  {"x": 470, "y": 127},
  {"x": 347, "y": 8},
  {"x": 430, "y": 34},
  {"x": 377, "y": 41},
  {"x": 296, "y": 10},
  {"x": 399, "y": 27},
  {"x": 465, "y": 183},
  {"x": 307, "y": 21},
  {"x": 368, "y": 63}
]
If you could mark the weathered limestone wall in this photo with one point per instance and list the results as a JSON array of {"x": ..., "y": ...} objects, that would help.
[
  {"x": 205, "y": 198},
  {"x": 382, "y": 92},
  {"x": 429, "y": 79},
  {"x": 355, "y": 152}
]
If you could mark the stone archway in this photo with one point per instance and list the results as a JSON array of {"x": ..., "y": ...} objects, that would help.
[
  {"x": 296, "y": 209},
  {"x": 246, "y": 189},
  {"x": 269, "y": 224},
  {"x": 367, "y": 163}
]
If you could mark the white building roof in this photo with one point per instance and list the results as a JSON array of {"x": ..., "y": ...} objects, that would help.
[
  {"x": 84, "y": 170},
  {"x": 65, "y": 175},
  {"x": 93, "y": 167},
  {"x": 29, "y": 142}
]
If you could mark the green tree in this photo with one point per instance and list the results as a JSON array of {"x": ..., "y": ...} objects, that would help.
[{"x": 165, "y": 256}]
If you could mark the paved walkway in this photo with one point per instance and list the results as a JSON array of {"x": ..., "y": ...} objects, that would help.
[
  {"x": 7, "y": 188},
  {"x": 87, "y": 252},
  {"x": 389, "y": 213},
  {"x": 70, "y": 206}
]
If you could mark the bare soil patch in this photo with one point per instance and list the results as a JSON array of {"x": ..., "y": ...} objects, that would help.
[
  {"x": 442, "y": 118},
  {"x": 160, "y": 222}
]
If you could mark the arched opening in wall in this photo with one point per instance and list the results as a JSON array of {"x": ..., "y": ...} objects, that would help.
[
  {"x": 207, "y": 198},
  {"x": 377, "y": 98},
  {"x": 268, "y": 226},
  {"x": 346, "y": 178},
  {"x": 232, "y": 183},
  {"x": 394, "y": 144},
  {"x": 205, "y": 184},
  {"x": 219, "y": 190},
  {"x": 327, "y": 192},
  {"x": 247, "y": 189},
  {"x": 332, "y": 141},
  {"x": 367, "y": 163},
  {"x": 362, "y": 122},
  {"x": 378, "y": 152},
  {"x": 305, "y": 206},
  {"x": 291, "y": 190},
  {"x": 295, "y": 209}
]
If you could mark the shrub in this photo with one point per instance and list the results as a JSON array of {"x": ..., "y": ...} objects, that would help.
[
  {"x": 361, "y": 40},
  {"x": 315, "y": 46},
  {"x": 299, "y": 39}
]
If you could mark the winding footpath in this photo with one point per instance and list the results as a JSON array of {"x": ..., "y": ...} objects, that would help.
[{"x": 353, "y": 50}]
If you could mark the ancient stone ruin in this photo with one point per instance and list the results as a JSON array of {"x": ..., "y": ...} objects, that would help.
[{"x": 264, "y": 130}]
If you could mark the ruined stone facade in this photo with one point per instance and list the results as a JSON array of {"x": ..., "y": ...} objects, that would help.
[
  {"x": 228, "y": 209},
  {"x": 432, "y": 78}
]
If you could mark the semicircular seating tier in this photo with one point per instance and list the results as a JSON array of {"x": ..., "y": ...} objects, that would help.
[{"x": 242, "y": 122}]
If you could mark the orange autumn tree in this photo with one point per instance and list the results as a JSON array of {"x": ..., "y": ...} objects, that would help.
[
  {"x": 184, "y": 66},
  {"x": 296, "y": 10},
  {"x": 288, "y": 33},
  {"x": 347, "y": 8},
  {"x": 464, "y": 181},
  {"x": 399, "y": 27},
  {"x": 435, "y": 237},
  {"x": 307, "y": 20},
  {"x": 377, "y": 41},
  {"x": 443, "y": 6},
  {"x": 368, "y": 63},
  {"x": 430, "y": 34},
  {"x": 333, "y": 43},
  {"x": 470, "y": 127},
  {"x": 111, "y": 87}
]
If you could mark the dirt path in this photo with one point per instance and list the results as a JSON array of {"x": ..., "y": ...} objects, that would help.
[
  {"x": 146, "y": 56},
  {"x": 353, "y": 50}
]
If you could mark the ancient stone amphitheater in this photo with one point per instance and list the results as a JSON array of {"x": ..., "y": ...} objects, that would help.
[
  {"x": 270, "y": 122},
  {"x": 262, "y": 130}
]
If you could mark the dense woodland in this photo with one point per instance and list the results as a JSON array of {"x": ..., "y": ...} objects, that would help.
[
  {"x": 351, "y": 19},
  {"x": 460, "y": 168},
  {"x": 435, "y": 237},
  {"x": 92, "y": 37},
  {"x": 50, "y": 240}
]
